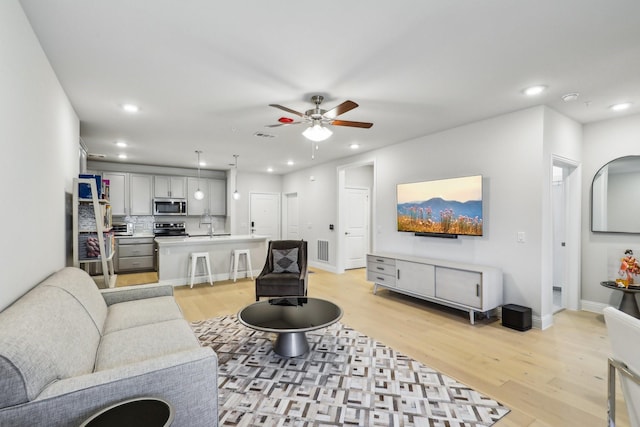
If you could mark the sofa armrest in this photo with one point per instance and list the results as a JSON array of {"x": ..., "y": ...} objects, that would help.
[
  {"x": 187, "y": 380},
  {"x": 131, "y": 293}
]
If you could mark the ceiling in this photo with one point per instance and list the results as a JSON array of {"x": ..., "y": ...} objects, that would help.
[{"x": 204, "y": 72}]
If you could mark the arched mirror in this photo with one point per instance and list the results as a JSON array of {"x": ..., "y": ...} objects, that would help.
[{"x": 615, "y": 197}]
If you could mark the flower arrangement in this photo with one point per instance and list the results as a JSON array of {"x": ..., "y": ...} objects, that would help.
[{"x": 629, "y": 268}]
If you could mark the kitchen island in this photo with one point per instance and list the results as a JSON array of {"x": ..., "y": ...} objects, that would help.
[{"x": 173, "y": 256}]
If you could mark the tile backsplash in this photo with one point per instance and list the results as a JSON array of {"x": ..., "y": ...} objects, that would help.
[{"x": 144, "y": 224}]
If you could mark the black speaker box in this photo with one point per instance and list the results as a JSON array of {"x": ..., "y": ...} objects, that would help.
[{"x": 516, "y": 317}]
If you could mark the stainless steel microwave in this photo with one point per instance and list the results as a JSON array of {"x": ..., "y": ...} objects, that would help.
[{"x": 169, "y": 206}]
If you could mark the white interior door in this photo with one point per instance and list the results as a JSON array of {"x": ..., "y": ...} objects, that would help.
[
  {"x": 291, "y": 211},
  {"x": 559, "y": 239},
  {"x": 265, "y": 214},
  {"x": 356, "y": 227}
]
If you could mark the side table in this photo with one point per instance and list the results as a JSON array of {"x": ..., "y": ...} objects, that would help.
[
  {"x": 629, "y": 304},
  {"x": 140, "y": 412}
]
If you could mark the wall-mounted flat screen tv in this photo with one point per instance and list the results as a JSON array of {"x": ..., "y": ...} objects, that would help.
[{"x": 441, "y": 208}]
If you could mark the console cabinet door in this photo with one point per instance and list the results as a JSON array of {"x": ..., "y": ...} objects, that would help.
[
  {"x": 459, "y": 286},
  {"x": 415, "y": 277}
]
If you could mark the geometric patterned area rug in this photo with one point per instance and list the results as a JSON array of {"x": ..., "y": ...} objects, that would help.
[{"x": 346, "y": 378}]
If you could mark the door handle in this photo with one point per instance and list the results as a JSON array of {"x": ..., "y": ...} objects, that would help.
[{"x": 346, "y": 233}]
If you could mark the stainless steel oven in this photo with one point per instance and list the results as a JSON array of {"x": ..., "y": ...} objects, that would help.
[{"x": 169, "y": 206}]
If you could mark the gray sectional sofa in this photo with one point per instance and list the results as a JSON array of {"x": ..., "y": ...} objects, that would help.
[{"x": 69, "y": 349}]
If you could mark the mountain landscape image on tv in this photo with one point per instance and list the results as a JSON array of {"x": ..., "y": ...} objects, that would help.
[{"x": 442, "y": 207}]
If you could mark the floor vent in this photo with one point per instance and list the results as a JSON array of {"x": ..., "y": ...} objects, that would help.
[{"x": 323, "y": 250}]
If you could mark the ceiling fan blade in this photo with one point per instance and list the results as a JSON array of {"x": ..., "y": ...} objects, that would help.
[
  {"x": 282, "y": 124},
  {"x": 340, "y": 109},
  {"x": 289, "y": 110},
  {"x": 350, "y": 123}
]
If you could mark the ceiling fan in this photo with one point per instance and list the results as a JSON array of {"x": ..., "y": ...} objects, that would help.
[{"x": 320, "y": 117}]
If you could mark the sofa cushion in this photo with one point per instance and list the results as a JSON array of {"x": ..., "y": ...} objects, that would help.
[
  {"x": 81, "y": 286},
  {"x": 144, "y": 342},
  {"x": 130, "y": 314},
  {"x": 45, "y": 335}
]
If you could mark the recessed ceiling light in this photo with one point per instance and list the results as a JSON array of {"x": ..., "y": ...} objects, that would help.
[
  {"x": 620, "y": 107},
  {"x": 130, "y": 108},
  {"x": 122, "y": 156},
  {"x": 269, "y": 169},
  {"x": 290, "y": 163},
  {"x": 534, "y": 90},
  {"x": 121, "y": 143},
  {"x": 354, "y": 146},
  {"x": 570, "y": 97}
]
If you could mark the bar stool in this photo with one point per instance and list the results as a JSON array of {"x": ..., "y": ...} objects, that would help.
[
  {"x": 235, "y": 260},
  {"x": 193, "y": 264}
]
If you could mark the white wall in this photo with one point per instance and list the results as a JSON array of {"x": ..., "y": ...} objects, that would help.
[
  {"x": 512, "y": 152},
  {"x": 603, "y": 142},
  {"x": 563, "y": 139},
  {"x": 39, "y": 132},
  {"x": 239, "y": 210},
  {"x": 508, "y": 152}
]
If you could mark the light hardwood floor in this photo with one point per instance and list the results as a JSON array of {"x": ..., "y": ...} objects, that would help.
[{"x": 556, "y": 377}]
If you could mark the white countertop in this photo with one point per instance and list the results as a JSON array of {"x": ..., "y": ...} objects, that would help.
[{"x": 207, "y": 240}]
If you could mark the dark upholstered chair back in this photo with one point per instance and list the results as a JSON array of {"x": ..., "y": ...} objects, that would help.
[{"x": 272, "y": 284}]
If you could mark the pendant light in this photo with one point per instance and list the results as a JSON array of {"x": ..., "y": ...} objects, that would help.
[
  {"x": 236, "y": 195},
  {"x": 198, "y": 194}
]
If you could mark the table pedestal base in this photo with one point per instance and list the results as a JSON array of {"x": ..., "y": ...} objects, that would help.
[
  {"x": 629, "y": 305},
  {"x": 291, "y": 344}
]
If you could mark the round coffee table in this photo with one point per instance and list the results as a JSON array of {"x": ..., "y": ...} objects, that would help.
[{"x": 290, "y": 318}]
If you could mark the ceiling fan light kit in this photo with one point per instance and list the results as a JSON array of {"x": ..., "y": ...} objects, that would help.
[
  {"x": 319, "y": 116},
  {"x": 317, "y": 133}
]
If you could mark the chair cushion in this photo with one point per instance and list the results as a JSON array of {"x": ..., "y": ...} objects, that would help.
[{"x": 285, "y": 261}]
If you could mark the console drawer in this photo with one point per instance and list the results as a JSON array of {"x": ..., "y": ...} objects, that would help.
[{"x": 383, "y": 279}]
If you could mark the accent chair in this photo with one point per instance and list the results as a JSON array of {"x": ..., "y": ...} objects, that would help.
[{"x": 285, "y": 270}]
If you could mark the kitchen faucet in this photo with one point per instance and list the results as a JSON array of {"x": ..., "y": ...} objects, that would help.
[{"x": 206, "y": 219}]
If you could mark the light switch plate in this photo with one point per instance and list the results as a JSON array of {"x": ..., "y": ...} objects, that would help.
[{"x": 521, "y": 237}]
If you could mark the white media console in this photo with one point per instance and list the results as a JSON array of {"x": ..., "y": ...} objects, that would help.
[{"x": 468, "y": 287}]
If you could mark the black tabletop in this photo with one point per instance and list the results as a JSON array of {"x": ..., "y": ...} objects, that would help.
[
  {"x": 613, "y": 285},
  {"x": 290, "y": 314}
]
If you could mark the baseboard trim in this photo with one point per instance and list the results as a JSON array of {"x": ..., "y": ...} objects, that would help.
[
  {"x": 323, "y": 266},
  {"x": 592, "y": 306}
]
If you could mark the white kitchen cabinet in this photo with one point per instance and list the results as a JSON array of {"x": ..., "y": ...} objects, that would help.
[
  {"x": 118, "y": 192},
  {"x": 140, "y": 194},
  {"x": 217, "y": 197},
  {"x": 169, "y": 186},
  {"x": 194, "y": 206},
  {"x": 469, "y": 287}
]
